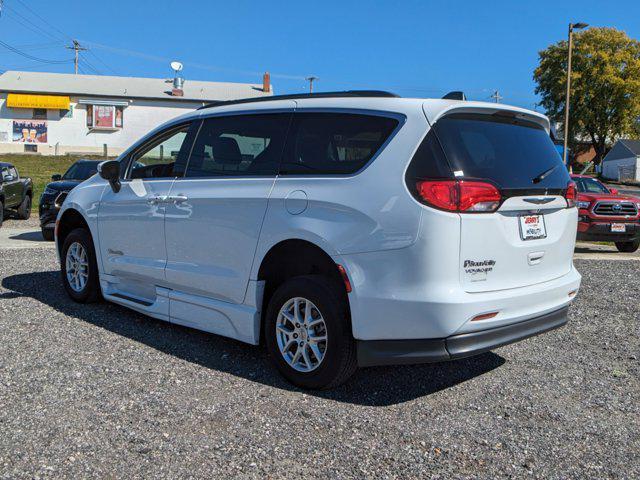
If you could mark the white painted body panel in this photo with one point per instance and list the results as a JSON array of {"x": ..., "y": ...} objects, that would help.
[
  {"x": 403, "y": 259},
  {"x": 212, "y": 236}
]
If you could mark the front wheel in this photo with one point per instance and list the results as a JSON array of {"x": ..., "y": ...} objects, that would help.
[
  {"x": 628, "y": 247},
  {"x": 24, "y": 210},
  {"x": 79, "y": 267},
  {"x": 308, "y": 332}
]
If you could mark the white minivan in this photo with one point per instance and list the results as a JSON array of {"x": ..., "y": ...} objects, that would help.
[{"x": 339, "y": 229}]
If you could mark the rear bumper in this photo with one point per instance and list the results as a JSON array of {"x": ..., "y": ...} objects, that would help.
[{"x": 402, "y": 352}]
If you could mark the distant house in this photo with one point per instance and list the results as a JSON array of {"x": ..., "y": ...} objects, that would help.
[
  {"x": 54, "y": 114},
  {"x": 623, "y": 161}
]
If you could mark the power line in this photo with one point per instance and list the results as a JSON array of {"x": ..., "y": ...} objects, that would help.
[
  {"x": 43, "y": 19},
  {"x": 28, "y": 24},
  {"x": 31, "y": 57}
]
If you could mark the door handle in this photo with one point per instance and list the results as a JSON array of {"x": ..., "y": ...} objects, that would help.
[
  {"x": 157, "y": 200},
  {"x": 177, "y": 198}
]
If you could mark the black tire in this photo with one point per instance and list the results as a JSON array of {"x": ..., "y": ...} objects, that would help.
[
  {"x": 628, "y": 247},
  {"x": 24, "y": 210},
  {"x": 340, "y": 359},
  {"x": 91, "y": 291},
  {"x": 1, "y": 213},
  {"x": 48, "y": 234}
]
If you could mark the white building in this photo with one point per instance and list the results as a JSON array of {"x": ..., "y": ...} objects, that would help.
[
  {"x": 54, "y": 113},
  {"x": 623, "y": 161}
]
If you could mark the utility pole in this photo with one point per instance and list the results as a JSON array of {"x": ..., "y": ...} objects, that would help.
[
  {"x": 567, "y": 98},
  {"x": 311, "y": 79},
  {"x": 496, "y": 96},
  {"x": 76, "y": 46}
]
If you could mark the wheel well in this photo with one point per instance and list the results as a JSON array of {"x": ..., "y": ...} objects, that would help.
[
  {"x": 292, "y": 258},
  {"x": 70, "y": 220}
]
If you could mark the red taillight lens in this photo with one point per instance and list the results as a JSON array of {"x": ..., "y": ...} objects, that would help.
[
  {"x": 572, "y": 195},
  {"x": 460, "y": 195},
  {"x": 442, "y": 194}
]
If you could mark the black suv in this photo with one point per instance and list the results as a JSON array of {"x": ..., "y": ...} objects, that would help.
[
  {"x": 15, "y": 193},
  {"x": 56, "y": 191}
]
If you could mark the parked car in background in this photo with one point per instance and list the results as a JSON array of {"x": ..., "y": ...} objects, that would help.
[
  {"x": 342, "y": 230},
  {"x": 607, "y": 216},
  {"x": 56, "y": 191},
  {"x": 15, "y": 193}
]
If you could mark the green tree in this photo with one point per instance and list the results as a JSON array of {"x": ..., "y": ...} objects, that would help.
[{"x": 605, "y": 87}]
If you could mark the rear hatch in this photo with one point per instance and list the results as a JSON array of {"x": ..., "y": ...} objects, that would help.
[{"x": 524, "y": 233}]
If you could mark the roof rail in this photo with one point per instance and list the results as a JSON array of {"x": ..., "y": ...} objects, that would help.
[{"x": 297, "y": 96}]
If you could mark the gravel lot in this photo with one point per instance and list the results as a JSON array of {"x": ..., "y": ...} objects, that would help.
[{"x": 99, "y": 391}]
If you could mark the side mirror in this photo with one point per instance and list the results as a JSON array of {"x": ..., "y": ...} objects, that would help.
[
  {"x": 56, "y": 177},
  {"x": 110, "y": 171},
  {"x": 614, "y": 191}
]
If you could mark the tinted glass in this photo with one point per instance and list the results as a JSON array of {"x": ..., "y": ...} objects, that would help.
[
  {"x": 81, "y": 171},
  {"x": 429, "y": 161},
  {"x": 242, "y": 145},
  {"x": 164, "y": 156},
  {"x": 334, "y": 143},
  {"x": 590, "y": 185},
  {"x": 507, "y": 151}
]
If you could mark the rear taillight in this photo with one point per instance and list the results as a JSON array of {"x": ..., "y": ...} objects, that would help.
[
  {"x": 459, "y": 195},
  {"x": 571, "y": 195}
]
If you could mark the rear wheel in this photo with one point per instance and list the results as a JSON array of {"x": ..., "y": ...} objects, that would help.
[
  {"x": 48, "y": 234},
  {"x": 79, "y": 267},
  {"x": 628, "y": 247},
  {"x": 24, "y": 210},
  {"x": 308, "y": 333}
]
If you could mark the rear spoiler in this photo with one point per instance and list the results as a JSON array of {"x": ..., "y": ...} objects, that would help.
[{"x": 434, "y": 110}]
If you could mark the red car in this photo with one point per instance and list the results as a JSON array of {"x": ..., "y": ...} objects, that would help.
[{"x": 607, "y": 216}]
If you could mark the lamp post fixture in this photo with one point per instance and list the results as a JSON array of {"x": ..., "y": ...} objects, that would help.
[{"x": 578, "y": 26}]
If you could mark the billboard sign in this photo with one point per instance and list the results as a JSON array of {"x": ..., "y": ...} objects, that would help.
[{"x": 30, "y": 131}]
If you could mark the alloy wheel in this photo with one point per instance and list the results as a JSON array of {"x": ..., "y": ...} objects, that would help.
[
  {"x": 301, "y": 334},
  {"x": 77, "y": 267}
]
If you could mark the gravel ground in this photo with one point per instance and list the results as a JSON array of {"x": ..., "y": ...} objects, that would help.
[
  {"x": 32, "y": 222},
  {"x": 99, "y": 391}
]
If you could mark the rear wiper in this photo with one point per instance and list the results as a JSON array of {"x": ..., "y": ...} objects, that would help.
[{"x": 543, "y": 175}]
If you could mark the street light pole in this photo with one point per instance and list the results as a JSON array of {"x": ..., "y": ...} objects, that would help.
[{"x": 568, "y": 96}]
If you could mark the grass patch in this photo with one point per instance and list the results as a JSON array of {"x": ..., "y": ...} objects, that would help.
[{"x": 41, "y": 167}]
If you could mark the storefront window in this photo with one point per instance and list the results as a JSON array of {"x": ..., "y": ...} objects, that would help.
[{"x": 105, "y": 117}]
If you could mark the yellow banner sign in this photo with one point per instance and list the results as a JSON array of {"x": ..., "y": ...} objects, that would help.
[{"x": 21, "y": 100}]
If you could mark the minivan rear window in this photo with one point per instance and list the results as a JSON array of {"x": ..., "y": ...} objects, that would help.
[{"x": 507, "y": 151}]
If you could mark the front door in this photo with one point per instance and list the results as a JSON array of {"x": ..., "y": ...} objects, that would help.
[
  {"x": 215, "y": 213},
  {"x": 131, "y": 221}
]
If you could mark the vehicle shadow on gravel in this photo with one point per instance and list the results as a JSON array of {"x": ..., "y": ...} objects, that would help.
[{"x": 380, "y": 386}]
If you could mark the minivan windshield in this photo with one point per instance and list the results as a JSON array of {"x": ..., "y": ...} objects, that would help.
[
  {"x": 512, "y": 153},
  {"x": 81, "y": 171}
]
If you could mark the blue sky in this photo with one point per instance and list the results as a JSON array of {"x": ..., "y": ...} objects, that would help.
[{"x": 414, "y": 48}]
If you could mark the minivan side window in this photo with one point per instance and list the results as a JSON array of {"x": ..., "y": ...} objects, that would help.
[
  {"x": 165, "y": 155},
  {"x": 334, "y": 143},
  {"x": 239, "y": 145}
]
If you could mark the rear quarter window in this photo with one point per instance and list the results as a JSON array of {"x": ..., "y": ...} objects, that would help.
[{"x": 334, "y": 143}]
